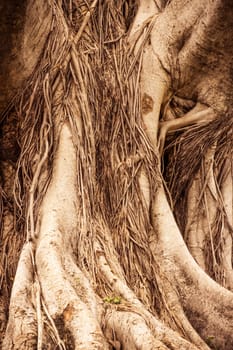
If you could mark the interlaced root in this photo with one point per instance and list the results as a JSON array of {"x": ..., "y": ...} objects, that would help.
[{"x": 90, "y": 271}]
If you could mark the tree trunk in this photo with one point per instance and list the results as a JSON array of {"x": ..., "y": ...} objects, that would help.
[{"x": 116, "y": 176}]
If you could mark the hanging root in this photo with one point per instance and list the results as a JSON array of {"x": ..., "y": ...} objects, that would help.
[
  {"x": 72, "y": 299},
  {"x": 57, "y": 223},
  {"x": 203, "y": 214},
  {"x": 98, "y": 269}
]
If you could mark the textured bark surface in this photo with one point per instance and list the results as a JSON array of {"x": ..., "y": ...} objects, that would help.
[
  {"x": 116, "y": 175},
  {"x": 24, "y": 29}
]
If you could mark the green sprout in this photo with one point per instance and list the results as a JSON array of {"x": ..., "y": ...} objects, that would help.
[
  {"x": 210, "y": 341},
  {"x": 112, "y": 300}
]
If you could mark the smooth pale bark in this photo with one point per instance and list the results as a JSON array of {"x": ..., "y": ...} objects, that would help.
[
  {"x": 21, "y": 332},
  {"x": 132, "y": 331},
  {"x": 154, "y": 90},
  {"x": 194, "y": 235},
  {"x": 199, "y": 114},
  {"x": 227, "y": 197},
  {"x": 57, "y": 225},
  {"x": 62, "y": 288},
  {"x": 146, "y": 9},
  {"x": 192, "y": 282}
]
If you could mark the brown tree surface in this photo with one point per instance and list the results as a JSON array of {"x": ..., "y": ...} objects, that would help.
[{"x": 116, "y": 174}]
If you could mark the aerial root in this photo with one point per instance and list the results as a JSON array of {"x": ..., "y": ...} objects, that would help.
[
  {"x": 198, "y": 293},
  {"x": 209, "y": 224},
  {"x": 173, "y": 307},
  {"x": 67, "y": 297},
  {"x": 21, "y": 332},
  {"x": 131, "y": 330},
  {"x": 70, "y": 298},
  {"x": 160, "y": 332}
]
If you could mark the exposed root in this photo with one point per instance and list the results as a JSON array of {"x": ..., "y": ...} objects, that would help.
[
  {"x": 202, "y": 215},
  {"x": 188, "y": 275},
  {"x": 104, "y": 264},
  {"x": 159, "y": 330},
  {"x": 21, "y": 332},
  {"x": 132, "y": 331},
  {"x": 194, "y": 234}
]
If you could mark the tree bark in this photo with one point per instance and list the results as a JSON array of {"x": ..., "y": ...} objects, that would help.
[{"x": 116, "y": 183}]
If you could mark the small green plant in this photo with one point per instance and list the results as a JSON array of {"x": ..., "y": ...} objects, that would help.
[
  {"x": 210, "y": 341},
  {"x": 112, "y": 300}
]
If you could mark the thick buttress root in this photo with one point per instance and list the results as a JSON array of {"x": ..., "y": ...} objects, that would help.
[
  {"x": 188, "y": 275},
  {"x": 21, "y": 332},
  {"x": 64, "y": 291}
]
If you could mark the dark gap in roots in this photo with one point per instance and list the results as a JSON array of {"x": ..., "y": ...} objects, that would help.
[
  {"x": 198, "y": 321},
  {"x": 64, "y": 333},
  {"x": 9, "y": 145},
  {"x": 129, "y": 10},
  {"x": 183, "y": 156}
]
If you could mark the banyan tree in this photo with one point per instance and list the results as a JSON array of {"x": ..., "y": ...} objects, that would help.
[{"x": 116, "y": 168}]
